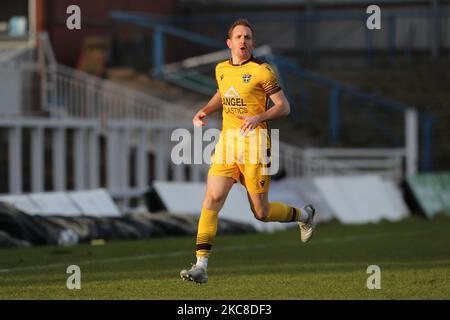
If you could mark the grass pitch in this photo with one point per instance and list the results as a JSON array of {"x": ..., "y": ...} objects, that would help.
[{"x": 414, "y": 257}]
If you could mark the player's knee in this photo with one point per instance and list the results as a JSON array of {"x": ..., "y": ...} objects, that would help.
[
  {"x": 214, "y": 200},
  {"x": 260, "y": 213}
]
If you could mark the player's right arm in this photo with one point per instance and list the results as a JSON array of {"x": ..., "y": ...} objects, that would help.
[{"x": 214, "y": 104}]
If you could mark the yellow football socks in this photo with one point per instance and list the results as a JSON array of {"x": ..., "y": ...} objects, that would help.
[
  {"x": 207, "y": 229},
  {"x": 281, "y": 212}
]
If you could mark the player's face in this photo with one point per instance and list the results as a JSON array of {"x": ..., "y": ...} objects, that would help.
[{"x": 241, "y": 42}]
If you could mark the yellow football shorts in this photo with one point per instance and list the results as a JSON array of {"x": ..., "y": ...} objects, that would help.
[
  {"x": 250, "y": 175},
  {"x": 242, "y": 166}
]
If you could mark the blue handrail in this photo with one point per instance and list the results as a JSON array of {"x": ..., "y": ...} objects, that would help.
[
  {"x": 390, "y": 24},
  {"x": 168, "y": 29},
  {"x": 285, "y": 16},
  {"x": 161, "y": 29}
]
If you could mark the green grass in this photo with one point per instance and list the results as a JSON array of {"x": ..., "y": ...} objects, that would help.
[{"x": 414, "y": 257}]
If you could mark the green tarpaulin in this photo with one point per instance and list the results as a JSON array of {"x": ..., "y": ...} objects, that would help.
[{"x": 432, "y": 192}]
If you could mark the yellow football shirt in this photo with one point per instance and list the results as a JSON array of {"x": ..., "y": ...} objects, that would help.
[{"x": 245, "y": 90}]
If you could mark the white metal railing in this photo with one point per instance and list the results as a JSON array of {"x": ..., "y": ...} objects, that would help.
[
  {"x": 72, "y": 93},
  {"x": 121, "y": 138},
  {"x": 16, "y": 54},
  {"x": 83, "y": 96},
  {"x": 389, "y": 163}
]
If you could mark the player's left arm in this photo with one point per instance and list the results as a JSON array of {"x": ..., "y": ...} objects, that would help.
[{"x": 279, "y": 109}]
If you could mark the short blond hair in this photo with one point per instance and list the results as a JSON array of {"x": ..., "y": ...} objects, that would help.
[{"x": 240, "y": 22}]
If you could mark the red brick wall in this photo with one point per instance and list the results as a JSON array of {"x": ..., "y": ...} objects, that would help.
[{"x": 94, "y": 21}]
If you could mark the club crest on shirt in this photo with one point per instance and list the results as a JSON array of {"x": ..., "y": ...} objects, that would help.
[{"x": 246, "y": 78}]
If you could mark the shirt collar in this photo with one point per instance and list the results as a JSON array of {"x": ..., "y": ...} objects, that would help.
[{"x": 246, "y": 61}]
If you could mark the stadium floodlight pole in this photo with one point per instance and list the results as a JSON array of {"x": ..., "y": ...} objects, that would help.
[{"x": 411, "y": 136}]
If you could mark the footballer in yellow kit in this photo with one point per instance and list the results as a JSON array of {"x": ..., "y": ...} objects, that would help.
[
  {"x": 244, "y": 91},
  {"x": 242, "y": 153}
]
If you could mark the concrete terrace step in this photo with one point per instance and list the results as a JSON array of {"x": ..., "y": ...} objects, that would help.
[{"x": 154, "y": 87}]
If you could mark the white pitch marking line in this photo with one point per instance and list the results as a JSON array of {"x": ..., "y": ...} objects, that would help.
[{"x": 179, "y": 253}]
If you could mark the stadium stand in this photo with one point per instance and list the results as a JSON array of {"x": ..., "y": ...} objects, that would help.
[{"x": 73, "y": 130}]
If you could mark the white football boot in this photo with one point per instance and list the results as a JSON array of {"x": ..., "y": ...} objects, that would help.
[
  {"x": 307, "y": 228},
  {"x": 196, "y": 274}
]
